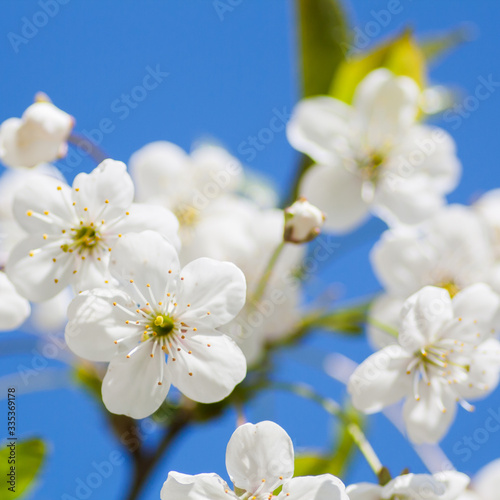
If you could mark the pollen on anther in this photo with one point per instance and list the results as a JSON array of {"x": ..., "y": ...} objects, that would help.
[
  {"x": 159, "y": 383},
  {"x": 56, "y": 281},
  {"x": 190, "y": 352},
  {"x": 189, "y": 305},
  {"x": 119, "y": 236},
  {"x": 127, "y": 213},
  {"x": 109, "y": 249},
  {"x": 178, "y": 348},
  {"x": 114, "y": 303},
  {"x": 77, "y": 189},
  {"x": 195, "y": 329},
  {"x": 152, "y": 355},
  {"x": 128, "y": 355},
  {"x": 148, "y": 285},
  {"x": 160, "y": 303},
  {"x": 127, "y": 322},
  {"x": 59, "y": 188},
  {"x": 29, "y": 213},
  {"x": 106, "y": 201},
  {"x": 131, "y": 281},
  {"x": 190, "y": 374},
  {"x": 170, "y": 271},
  {"x": 53, "y": 259},
  {"x": 182, "y": 278},
  {"x": 116, "y": 341},
  {"x": 75, "y": 271},
  {"x": 183, "y": 337},
  {"x": 175, "y": 304},
  {"x": 45, "y": 236},
  {"x": 46, "y": 212},
  {"x": 208, "y": 313},
  {"x": 31, "y": 254},
  {"x": 85, "y": 209},
  {"x": 208, "y": 345}
]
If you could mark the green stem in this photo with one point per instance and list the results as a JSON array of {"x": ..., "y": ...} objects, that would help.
[
  {"x": 333, "y": 408},
  {"x": 365, "y": 447},
  {"x": 381, "y": 326},
  {"x": 261, "y": 286}
]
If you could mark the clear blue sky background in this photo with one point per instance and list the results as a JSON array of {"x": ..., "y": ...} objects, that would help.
[{"x": 226, "y": 79}]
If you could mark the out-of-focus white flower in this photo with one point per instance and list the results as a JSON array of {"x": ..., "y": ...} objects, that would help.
[
  {"x": 39, "y": 136},
  {"x": 50, "y": 315},
  {"x": 259, "y": 459},
  {"x": 451, "y": 250},
  {"x": 440, "y": 486},
  {"x": 11, "y": 232},
  {"x": 71, "y": 231},
  {"x": 14, "y": 309},
  {"x": 303, "y": 222},
  {"x": 445, "y": 353},
  {"x": 185, "y": 184},
  {"x": 373, "y": 156},
  {"x": 485, "y": 484},
  {"x": 158, "y": 311}
]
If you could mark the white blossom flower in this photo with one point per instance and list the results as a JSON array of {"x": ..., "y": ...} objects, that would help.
[
  {"x": 445, "y": 354},
  {"x": 160, "y": 311},
  {"x": 485, "y": 484},
  {"x": 185, "y": 184},
  {"x": 303, "y": 222},
  {"x": 259, "y": 459},
  {"x": 71, "y": 231},
  {"x": 14, "y": 309},
  {"x": 39, "y": 136},
  {"x": 441, "y": 486},
  {"x": 373, "y": 155},
  {"x": 450, "y": 250}
]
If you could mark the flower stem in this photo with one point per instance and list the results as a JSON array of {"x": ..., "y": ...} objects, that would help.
[
  {"x": 261, "y": 286},
  {"x": 365, "y": 447},
  {"x": 88, "y": 147},
  {"x": 381, "y": 326}
]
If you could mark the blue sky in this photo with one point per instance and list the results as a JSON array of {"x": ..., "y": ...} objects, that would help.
[{"x": 224, "y": 79}]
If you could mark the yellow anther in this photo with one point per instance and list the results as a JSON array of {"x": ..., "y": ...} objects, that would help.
[
  {"x": 29, "y": 213},
  {"x": 158, "y": 321}
]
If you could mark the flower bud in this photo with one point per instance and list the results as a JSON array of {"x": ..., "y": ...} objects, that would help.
[
  {"x": 303, "y": 222},
  {"x": 38, "y": 137}
]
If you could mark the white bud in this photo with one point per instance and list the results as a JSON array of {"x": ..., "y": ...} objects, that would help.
[
  {"x": 38, "y": 137},
  {"x": 303, "y": 222}
]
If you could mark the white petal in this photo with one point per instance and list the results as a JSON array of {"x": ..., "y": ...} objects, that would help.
[
  {"x": 337, "y": 192},
  {"x": 143, "y": 217},
  {"x": 323, "y": 487},
  {"x": 146, "y": 258},
  {"x": 40, "y": 194},
  {"x": 208, "y": 367},
  {"x": 364, "y": 491},
  {"x": 95, "y": 324},
  {"x": 402, "y": 262},
  {"x": 428, "y": 419},
  {"x": 454, "y": 482},
  {"x": 131, "y": 385},
  {"x": 157, "y": 169},
  {"x": 487, "y": 481},
  {"x": 423, "y": 317},
  {"x": 108, "y": 181},
  {"x": 380, "y": 380},
  {"x": 215, "y": 292},
  {"x": 400, "y": 200},
  {"x": 414, "y": 486},
  {"x": 316, "y": 126},
  {"x": 200, "y": 487},
  {"x": 14, "y": 309},
  {"x": 258, "y": 453},
  {"x": 387, "y": 104},
  {"x": 477, "y": 302},
  {"x": 38, "y": 277}
]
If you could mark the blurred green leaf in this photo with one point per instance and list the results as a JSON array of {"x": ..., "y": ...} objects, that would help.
[
  {"x": 434, "y": 47},
  {"x": 401, "y": 55},
  {"x": 29, "y": 456},
  {"x": 311, "y": 465},
  {"x": 323, "y": 37}
]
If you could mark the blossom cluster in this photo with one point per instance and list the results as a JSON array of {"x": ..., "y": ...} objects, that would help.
[{"x": 180, "y": 270}]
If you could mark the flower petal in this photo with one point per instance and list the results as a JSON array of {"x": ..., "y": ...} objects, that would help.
[
  {"x": 40, "y": 194},
  {"x": 107, "y": 187},
  {"x": 487, "y": 481},
  {"x": 207, "y": 367},
  {"x": 337, "y": 192},
  {"x": 146, "y": 258},
  {"x": 364, "y": 491},
  {"x": 14, "y": 309},
  {"x": 210, "y": 291},
  {"x": 317, "y": 125},
  {"x": 132, "y": 385},
  {"x": 143, "y": 217},
  {"x": 428, "y": 418},
  {"x": 387, "y": 105},
  {"x": 259, "y": 453},
  {"x": 95, "y": 323},
  {"x": 424, "y": 316},
  {"x": 323, "y": 487},
  {"x": 200, "y": 487},
  {"x": 38, "y": 277},
  {"x": 380, "y": 380}
]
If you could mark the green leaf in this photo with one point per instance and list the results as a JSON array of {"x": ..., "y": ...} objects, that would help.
[
  {"x": 434, "y": 47},
  {"x": 311, "y": 465},
  {"x": 401, "y": 55},
  {"x": 29, "y": 456},
  {"x": 348, "y": 320},
  {"x": 323, "y": 37},
  {"x": 86, "y": 375}
]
